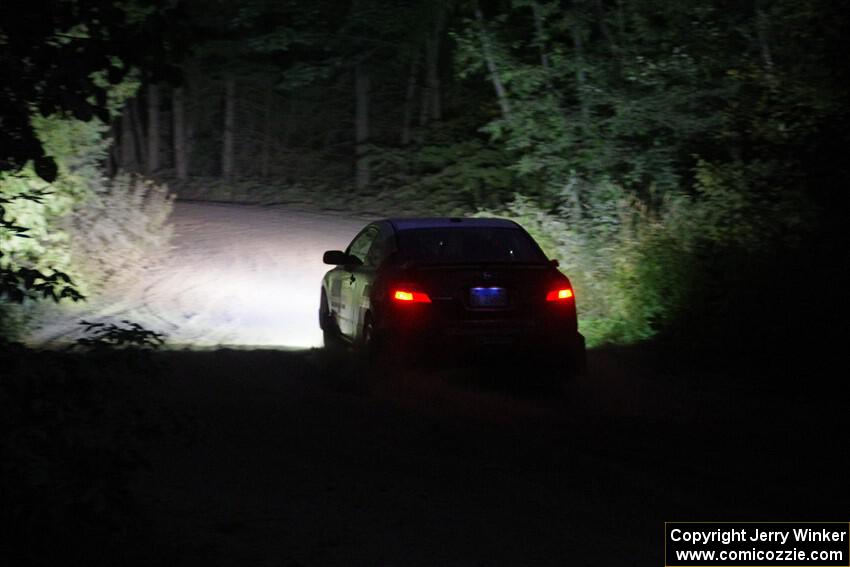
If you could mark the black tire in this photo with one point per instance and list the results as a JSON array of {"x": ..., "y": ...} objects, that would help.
[
  {"x": 565, "y": 368},
  {"x": 331, "y": 340},
  {"x": 553, "y": 378},
  {"x": 330, "y": 332},
  {"x": 580, "y": 358},
  {"x": 377, "y": 352},
  {"x": 370, "y": 342}
]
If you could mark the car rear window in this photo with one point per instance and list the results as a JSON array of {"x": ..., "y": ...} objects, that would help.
[{"x": 468, "y": 245}]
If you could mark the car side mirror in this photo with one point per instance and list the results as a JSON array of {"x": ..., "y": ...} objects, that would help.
[
  {"x": 554, "y": 263},
  {"x": 340, "y": 258},
  {"x": 335, "y": 258}
]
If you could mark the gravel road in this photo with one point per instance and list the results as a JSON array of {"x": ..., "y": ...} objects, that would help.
[{"x": 237, "y": 276}]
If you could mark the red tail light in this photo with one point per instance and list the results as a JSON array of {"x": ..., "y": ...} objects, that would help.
[
  {"x": 565, "y": 294},
  {"x": 406, "y": 296}
]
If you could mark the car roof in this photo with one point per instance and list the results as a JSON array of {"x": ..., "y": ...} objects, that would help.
[{"x": 401, "y": 224}]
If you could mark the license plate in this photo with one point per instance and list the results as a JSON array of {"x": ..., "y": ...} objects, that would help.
[
  {"x": 497, "y": 341},
  {"x": 488, "y": 297}
]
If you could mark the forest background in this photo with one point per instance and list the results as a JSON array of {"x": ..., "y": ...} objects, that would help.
[{"x": 685, "y": 161}]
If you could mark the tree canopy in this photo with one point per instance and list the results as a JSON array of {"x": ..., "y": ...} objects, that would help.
[{"x": 59, "y": 56}]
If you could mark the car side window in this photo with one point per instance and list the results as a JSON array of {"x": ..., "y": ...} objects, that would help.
[
  {"x": 359, "y": 247},
  {"x": 381, "y": 248}
]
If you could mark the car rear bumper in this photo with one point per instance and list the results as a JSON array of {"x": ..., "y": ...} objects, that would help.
[{"x": 555, "y": 341}]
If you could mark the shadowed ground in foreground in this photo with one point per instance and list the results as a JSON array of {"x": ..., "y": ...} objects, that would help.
[{"x": 303, "y": 458}]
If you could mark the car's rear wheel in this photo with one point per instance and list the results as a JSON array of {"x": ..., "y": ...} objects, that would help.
[
  {"x": 580, "y": 357},
  {"x": 567, "y": 367},
  {"x": 379, "y": 352}
]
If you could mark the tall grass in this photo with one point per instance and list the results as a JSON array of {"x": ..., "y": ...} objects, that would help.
[
  {"x": 121, "y": 229},
  {"x": 702, "y": 265},
  {"x": 108, "y": 233}
]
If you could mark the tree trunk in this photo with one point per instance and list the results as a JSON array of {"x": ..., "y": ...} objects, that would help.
[
  {"x": 409, "y": 95},
  {"x": 762, "y": 32},
  {"x": 490, "y": 61},
  {"x": 181, "y": 149},
  {"x": 541, "y": 41},
  {"x": 425, "y": 97},
  {"x": 361, "y": 125},
  {"x": 290, "y": 123},
  {"x": 580, "y": 77},
  {"x": 153, "y": 129},
  {"x": 127, "y": 159},
  {"x": 267, "y": 133},
  {"x": 113, "y": 157},
  {"x": 227, "y": 157},
  {"x": 603, "y": 26},
  {"x": 138, "y": 134},
  {"x": 435, "y": 106}
]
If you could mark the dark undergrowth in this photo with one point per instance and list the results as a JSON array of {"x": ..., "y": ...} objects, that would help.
[{"x": 75, "y": 428}]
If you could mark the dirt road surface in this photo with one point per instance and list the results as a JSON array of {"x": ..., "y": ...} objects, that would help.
[
  {"x": 295, "y": 459},
  {"x": 238, "y": 275},
  {"x": 303, "y": 458}
]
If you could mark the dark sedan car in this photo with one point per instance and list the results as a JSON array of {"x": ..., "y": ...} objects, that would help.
[{"x": 450, "y": 284}]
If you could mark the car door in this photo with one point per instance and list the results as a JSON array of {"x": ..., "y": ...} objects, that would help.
[
  {"x": 354, "y": 280},
  {"x": 365, "y": 274}
]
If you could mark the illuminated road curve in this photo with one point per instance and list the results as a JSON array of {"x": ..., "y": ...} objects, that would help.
[{"x": 238, "y": 275}]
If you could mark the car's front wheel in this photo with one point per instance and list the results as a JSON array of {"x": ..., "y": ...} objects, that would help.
[
  {"x": 370, "y": 340},
  {"x": 330, "y": 331}
]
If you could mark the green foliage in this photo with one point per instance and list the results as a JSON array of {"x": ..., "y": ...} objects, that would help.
[
  {"x": 622, "y": 108},
  {"x": 610, "y": 250},
  {"x": 679, "y": 150},
  {"x": 59, "y": 58},
  {"x": 110, "y": 335},
  {"x": 459, "y": 176},
  {"x": 39, "y": 248},
  {"x": 67, "y": 238},
  {"x": 739, "y": 204},
  {"x": 19, "y": 283},
  {"x": 25, "y": 283},
  {"x": 77, "y": 148},
  {"x": 692, "y": 262}
]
